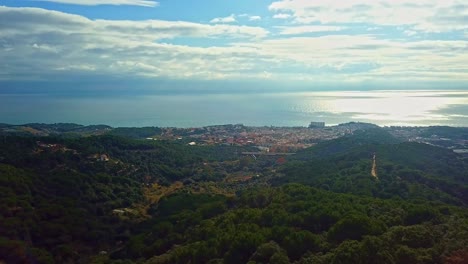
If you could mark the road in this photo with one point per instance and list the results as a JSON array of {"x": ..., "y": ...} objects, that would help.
[{"x": 374, "y": 167}]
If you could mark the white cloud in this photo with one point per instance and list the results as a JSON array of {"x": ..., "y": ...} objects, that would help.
[
  {"x": 39, "y": 43},
  {"x": 250, "y": 17},
  {"x": 281, "y": 16},
  {"x": 308, "y": 29},
  {"x": 364, "y": 57},
  {"x": 228, "y": 19},
  {"x": 423, "y": 15},
  {"x": 149, "y": 3},
  {"x": 410, "y": 33},
  {"x": 41, "y": 21},
  {"x": 255, "y": 18}
]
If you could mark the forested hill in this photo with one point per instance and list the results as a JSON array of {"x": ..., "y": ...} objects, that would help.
[
  {"x": 113, "y": 199},
  {"x": 405, "y": 170},
  {"x": 58, "y": 194},
  {"x": 359, "y": 138}
]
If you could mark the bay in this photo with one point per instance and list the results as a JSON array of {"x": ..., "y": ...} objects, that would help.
[{"x": 388, "y": 107}]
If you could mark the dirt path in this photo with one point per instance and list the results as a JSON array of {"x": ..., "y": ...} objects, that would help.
[{"x": 374, "y": 167}]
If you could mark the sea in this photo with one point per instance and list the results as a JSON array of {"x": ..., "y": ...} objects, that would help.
[{"x": 381, "y": 107}]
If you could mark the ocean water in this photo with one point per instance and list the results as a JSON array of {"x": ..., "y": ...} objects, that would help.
[{"x": 410, "y": 108}]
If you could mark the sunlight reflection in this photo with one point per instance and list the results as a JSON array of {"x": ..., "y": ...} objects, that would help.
[{"x": 399, "y": 107}]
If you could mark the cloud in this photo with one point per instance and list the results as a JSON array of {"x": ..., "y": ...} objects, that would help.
[
  {"x": 250, "y": 17},
  {"x": 423, "y": 15},
  {"x": 255, "y": 18},
  {"x": 148, "y": 3},
  {"x": 410, "y": 33},
  {"x": 308, "y": 29},
  {"x": 42, "y": 44},
  {"x": 37, "y": 43},
  {"x": 281, "y": 16},
  {"x": 348, "y": 58},
  {"x": 22, "y": 21},
  {"x": 228, "y": 19}
]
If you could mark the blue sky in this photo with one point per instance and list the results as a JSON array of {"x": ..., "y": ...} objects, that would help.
[{"x": 145, "y": 45}]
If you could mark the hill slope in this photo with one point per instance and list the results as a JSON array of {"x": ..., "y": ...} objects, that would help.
[
  {"x": 64, "y": 200},
  {"x": 406, "y": 170}
]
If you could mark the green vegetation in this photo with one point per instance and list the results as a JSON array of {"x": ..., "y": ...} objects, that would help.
[
  {"x": 113, "y": 199},
  {"x": 137, "y": 133},
  {"x": 405, "y": 170},
  {"x": 444, "y": 131},
  {"x": 296, "y": 223}
]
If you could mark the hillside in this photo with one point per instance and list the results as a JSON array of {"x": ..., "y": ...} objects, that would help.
[
  {"x": 295, "y": 223},
  {"x": 113, "y": 199},
  {"x": 405, "y": 169},
  {"x": 359, "y": 138}
]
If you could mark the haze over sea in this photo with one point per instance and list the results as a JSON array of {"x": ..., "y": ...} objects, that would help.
[{"x": 407, "y": 108}]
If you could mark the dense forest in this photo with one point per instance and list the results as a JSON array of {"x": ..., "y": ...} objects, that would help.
[{"x": 116, "y": 198}]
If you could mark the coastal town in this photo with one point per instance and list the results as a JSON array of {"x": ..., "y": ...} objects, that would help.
[
  {"x": 265, "y": 139},
  {"x": 269, "y": 139}
]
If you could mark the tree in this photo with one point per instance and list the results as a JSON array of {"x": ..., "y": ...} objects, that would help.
[
  {"x": 265, "y": 251},
  {"x": 298, "y": 243},
  {"x": 355, "y": 227},
  {"x": 348, "y": 252}
]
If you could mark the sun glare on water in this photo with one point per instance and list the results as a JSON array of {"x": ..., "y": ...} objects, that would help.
[{"x": 392, "y": 107}]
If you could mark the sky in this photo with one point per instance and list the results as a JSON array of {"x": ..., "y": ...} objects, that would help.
[{"x": 236, "y": 45}]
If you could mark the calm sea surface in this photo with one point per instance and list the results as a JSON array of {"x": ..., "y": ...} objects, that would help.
[{"x": 277, "y": 109}]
